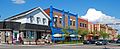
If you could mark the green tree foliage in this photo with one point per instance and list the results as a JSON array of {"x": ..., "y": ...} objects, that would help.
[
  {"x": 81, "y": 32},
  {"x": 66, "y": 33},
  {"x": 118, "y": 36},
  {"x": 104, "y": 34}
]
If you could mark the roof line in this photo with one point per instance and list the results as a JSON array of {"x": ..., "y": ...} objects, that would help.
[
  {"x": 64, "y": 11},
  {"x": 27, "y": 12},
  {"x": 20, "y": 13}
]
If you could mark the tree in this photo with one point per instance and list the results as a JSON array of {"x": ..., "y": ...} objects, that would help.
[
  {"x": 66, "y": 33},
  {"x": 118, "y": 36},
  {"x": 94, "y": 34},
  {"x": 84, "y": 33},
  {"x": 104, "y": 34},
  {"x": 81, "y": 32},
  {"x": 78, "y": 31}
]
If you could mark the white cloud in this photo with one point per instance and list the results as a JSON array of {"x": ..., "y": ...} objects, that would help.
[
  {"x": 18, "y": 1},
  {"x": 94, "y": 15}
]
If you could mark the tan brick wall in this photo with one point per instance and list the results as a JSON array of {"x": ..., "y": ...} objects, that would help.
[
  {"x": 2, "y": 37},
  {"x": 66, "y": 20},
  {"x": 8, "y": 38},
  {"x": 73, "y": 19},
  {"x": 58, "y": 18}
]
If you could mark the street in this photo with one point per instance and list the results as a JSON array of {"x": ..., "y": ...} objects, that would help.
[{"x": 60, "y": 46}]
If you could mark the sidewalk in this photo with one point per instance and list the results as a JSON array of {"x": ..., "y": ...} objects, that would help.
[
  {"x": 42, "y": 45},
  {"x": 19, "y": 45}
]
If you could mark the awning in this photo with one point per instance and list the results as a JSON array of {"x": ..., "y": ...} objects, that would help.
[
  {"x": 72, "y": 35},
  {"x": 57, "y": 35},
  {"x": 79, "y": 36}
]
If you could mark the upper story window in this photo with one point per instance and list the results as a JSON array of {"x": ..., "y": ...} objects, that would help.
[
  {"x": 70, "y": 22},
  {"x": 31, "y": 19},
  {"x": 38, "y": 19},
  {"x": 60, "y": 21},
  {"x": 55, "y": 19},
  {"x": 80, "y": 24},
  {"x": 44, "y": 20},
  {"x": 85, "y": 25},
  {"x": 73, "y": 23}
]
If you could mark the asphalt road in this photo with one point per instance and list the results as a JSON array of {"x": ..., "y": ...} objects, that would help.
[{"x": 112, "y": 46}]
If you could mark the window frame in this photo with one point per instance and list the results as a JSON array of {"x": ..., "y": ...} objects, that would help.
[
  {"x": 80, "y": 24},
  {"x": 60, "y": 21},
  {"x": 73, "y": 23},
  {"x": 44, "y": 20},
  {"x": 31, "y": 19},
  {"x": 38, "y": 20}
]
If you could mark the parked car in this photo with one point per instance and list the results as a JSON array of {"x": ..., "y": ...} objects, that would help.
[
  {"x": 89, "y": 42},
  {"x": 118, "y": 41},
  {"x": 112, "y": 41},
  {"x": 101, "y": 42}
]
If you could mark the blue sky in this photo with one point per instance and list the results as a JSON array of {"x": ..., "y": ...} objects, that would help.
[
  {"x": 110, "y": 7},
  {"x": 104, "y": 11}
]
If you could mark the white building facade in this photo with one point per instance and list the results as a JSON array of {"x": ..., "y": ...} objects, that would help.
[{"x": 33, "y": 28}]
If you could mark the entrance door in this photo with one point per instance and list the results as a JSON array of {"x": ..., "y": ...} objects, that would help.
[
  {"x": 38, "y": 35},
  {"x": 15, "y": 35}
]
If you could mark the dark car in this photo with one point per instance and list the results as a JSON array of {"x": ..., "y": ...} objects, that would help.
[
  {"x": 101, "y": 42},
  {"x": 89, "y": 42},
  {"x": 118, "y": 41},
  {"x": 112, "y": 41}
]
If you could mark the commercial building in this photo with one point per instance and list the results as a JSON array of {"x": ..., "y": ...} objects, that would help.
[
  {"x": 37, "y": 26},
  {"x": 90, "y": 30},
  {"x": 83, "y": 26},
  {"x": 29, "y": 27},
  {"x": 106, "y": 29},
  {"x": 61, "y": 19}
]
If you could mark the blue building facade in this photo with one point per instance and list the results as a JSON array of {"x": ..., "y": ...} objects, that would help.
[{"x": 58, "y": 30}]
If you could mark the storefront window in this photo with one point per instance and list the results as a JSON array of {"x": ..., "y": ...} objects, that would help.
[
  {"x": 24, "y": 34},
  {"x": 15, "y": 35},
  {"x": 30, "y": 34}
]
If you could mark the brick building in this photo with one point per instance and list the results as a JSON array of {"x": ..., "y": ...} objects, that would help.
[{"x": 61, "y": 19}]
